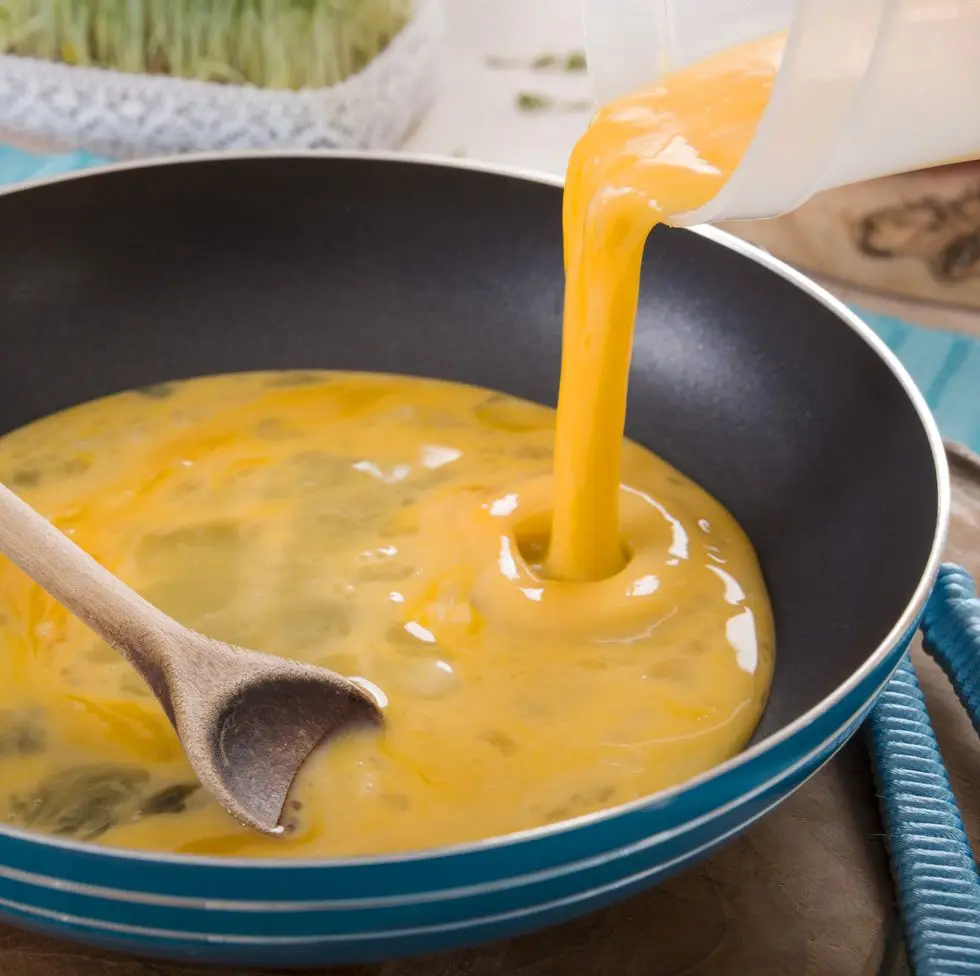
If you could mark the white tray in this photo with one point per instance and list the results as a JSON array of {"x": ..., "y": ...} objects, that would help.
[{"x": 127, "y": 115}]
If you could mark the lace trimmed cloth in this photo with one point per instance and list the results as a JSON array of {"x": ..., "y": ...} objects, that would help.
[{"x": 130, "y": 115}]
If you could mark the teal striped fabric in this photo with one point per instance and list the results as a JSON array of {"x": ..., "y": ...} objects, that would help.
[{"x": 945, "y": 365}]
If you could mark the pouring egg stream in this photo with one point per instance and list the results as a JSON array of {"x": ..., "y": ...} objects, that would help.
[{"x": 556, "y": 619}]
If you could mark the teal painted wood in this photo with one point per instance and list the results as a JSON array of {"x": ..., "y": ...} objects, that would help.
[
  {"x": 946, "y": 368},
  {"x": 17, "y": 165}
]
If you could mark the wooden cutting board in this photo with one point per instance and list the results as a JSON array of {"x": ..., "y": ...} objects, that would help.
[{"x": 907, "y": 246}]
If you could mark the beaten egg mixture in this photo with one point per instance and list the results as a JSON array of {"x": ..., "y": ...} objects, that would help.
[
  {"x": 557, "y": 620},
  {"x": 387, "y": 528}
]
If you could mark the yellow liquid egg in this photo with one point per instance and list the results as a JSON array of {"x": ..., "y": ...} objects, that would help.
[
  {"x": 557, "y": 620},
  {"x": 387, "y": 528},
  {"x": 664, "y": 151}
]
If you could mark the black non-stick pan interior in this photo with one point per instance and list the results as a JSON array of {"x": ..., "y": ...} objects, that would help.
[{"x": 739, "y": 378}]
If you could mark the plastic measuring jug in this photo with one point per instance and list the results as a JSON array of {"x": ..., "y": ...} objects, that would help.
[{"x": 866, "y": 88}]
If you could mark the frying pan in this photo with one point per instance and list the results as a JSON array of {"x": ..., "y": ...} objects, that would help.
[{"x": 746, "y": 376}]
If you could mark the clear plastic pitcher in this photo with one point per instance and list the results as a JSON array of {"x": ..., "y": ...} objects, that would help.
[{"x": 866, "y": 88}]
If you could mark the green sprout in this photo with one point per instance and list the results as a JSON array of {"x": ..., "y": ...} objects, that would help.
[
  {"x": 284, "y": 44},
  {"x": 572, "y": 62},
  {"x": 535, "y": 102},
  {"x": 532, "y": 102}
]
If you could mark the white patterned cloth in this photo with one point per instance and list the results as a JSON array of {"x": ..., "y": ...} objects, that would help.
[{"x": 128, "y": 115}]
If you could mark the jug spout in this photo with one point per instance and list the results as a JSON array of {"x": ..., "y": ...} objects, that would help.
[{"x": 865, "y": 88}]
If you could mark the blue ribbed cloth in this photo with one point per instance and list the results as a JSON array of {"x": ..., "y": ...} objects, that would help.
[{"x": 936, "y": 877}]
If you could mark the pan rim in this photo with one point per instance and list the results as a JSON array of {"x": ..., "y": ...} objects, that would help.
[{"x": 872, "y": 662}]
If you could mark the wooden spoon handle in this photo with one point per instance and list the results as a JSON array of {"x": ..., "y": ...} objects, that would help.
[{"x": 120, "y": 616}]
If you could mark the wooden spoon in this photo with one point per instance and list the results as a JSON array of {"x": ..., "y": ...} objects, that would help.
[{"x": 247, "y": 721}]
